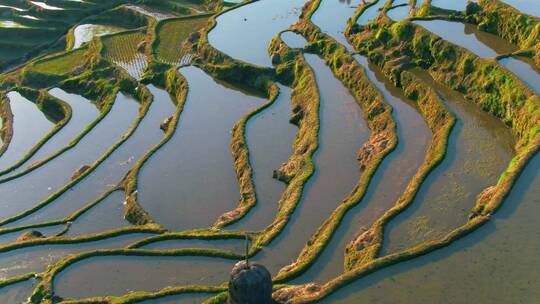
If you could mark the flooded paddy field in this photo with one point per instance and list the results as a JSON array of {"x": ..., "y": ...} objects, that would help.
[{"x": 378, "y": 151}]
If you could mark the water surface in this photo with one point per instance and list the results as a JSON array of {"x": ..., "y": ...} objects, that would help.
[
  {"x": 496, "y": 264},
  {"x": 525, "y": 69},
  {"x": 530, "y": 7},
  {"x": 342, "y": 132},
  {"x": 86, "y": 32},
  {"x": 293, "y": 40},
  {"x": 83, "y": 112},
  {"x": 28, "y": 190},
  {"x": 467, "y": 36},
  {"x": 269, "y": 136},
  {"x": 113, "y": 169},
  {"x": 339, "y": 11},
  {"x": 191, "y": 180},
  {"x": 479, "y": 149},
  {"x": 29, "y": 126},
  {"x": 93, "y": 277},
  {"x": 245, "y": 32},
  {"x": 36, "y": 259}
]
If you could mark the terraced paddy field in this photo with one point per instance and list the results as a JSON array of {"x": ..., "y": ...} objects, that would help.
[{"x": 379, "y": 151}]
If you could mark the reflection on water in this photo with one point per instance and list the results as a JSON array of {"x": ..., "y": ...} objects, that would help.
[
  {"x": 27, "y": 190},
  {"x": 269, "y": 136},
  {"x": 496, "y": 264},
  {"x": 293, "y": 40},
  {"x": 114, "y": 168},
  {"x": 479, "y": 149},
  {"x": 150, "y": 11},
  {"x": 83, "y": 112},
  {"x": 457, "y": 5},
  {"x": 388, "y": 182},
  {"x": 342, "y": 132},
  {"x": 245, "y": 33},
  {"x": 191, "y": 180},
  {"x": 371, "y": 13},
  {"x": 107, "y": 215},
  {"x": 36, "y": 259},
  {"x": 29, "y": 126},
  {"x": 467, "y": 36},
  {"x": 335, "y": 25},
  {"x": 46, "y": 6},
  {"x": 399, "y": 13},
  {"x": 525, "y": 69}
]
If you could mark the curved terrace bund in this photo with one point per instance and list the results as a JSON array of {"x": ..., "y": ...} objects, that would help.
[{"x": 138, "y": 61}]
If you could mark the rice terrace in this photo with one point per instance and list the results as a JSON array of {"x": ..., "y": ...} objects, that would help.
[{"x": 269, "y": 151}]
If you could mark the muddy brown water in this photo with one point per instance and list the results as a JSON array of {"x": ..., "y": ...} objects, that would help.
[
  {"x": 26, "y": 191},
  {"x": 498, "y": 263},
  {"x": 270, "y": 137},
  {"x": 114, "y": 168},
  {"x": 29, "y": 126},
  {"x": 245, "y": 33},
  {"x": 479, "y": 150},
  {"x": 191, "y": 180},
  {"x": 342, "y": 132},
  {"x": 389, "y": 181}
]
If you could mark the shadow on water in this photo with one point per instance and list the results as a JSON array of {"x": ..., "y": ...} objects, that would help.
[{"x": 473, "y": 269}]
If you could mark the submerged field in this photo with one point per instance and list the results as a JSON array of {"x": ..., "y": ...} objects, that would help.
[{"x": 379, "y": 151}]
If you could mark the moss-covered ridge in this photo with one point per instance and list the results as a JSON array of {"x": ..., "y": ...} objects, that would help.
[
  {"x": 378, "y": 115},
  {"x": 492, "y": 87},
  {"x": 367, "y": 246}
]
